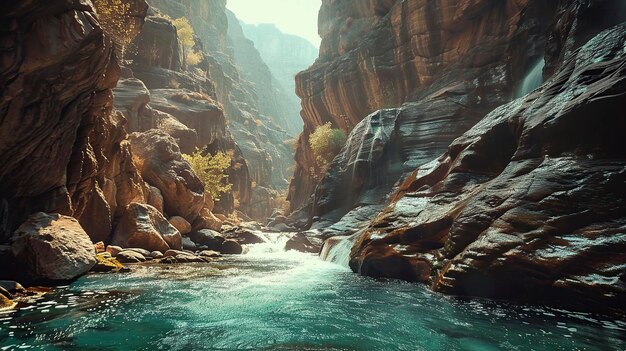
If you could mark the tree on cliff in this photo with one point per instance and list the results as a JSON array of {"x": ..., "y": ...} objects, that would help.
[
  {"x": 326, "y": 142},
  {"x": 185, "y": 35},
  {"x": 212, "y": 171},
  {"x": 115, "y": 17}
]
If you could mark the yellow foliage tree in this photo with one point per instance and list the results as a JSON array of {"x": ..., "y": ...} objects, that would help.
[
  {"x": 185, "y": 35},
  {"x": 212, "y": 171},
  {"x": 326, "y": 142},
  {"x": 116, "y": 19}
]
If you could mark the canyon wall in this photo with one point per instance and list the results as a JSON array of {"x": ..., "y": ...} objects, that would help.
[
  {"x": 71, "y": 174},
  {"x": 529, "y": 203},
  {"x": 259, "y": 115},
  {"x": 473, "y": 191},
  {"x": 451, "y": 62}
]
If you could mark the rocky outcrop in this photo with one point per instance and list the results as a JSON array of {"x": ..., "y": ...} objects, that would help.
[
  {"x": 243, "y": 85},
  {"x": 53, "y": 247},
  {"x": 160, "y": 162},
  {"x": 465, "y": 58},
  {"x": 142, "y": 226},
  {"x": 180, "y": 101},
  {"x": 58, "y": 118},
  {"x": 156, "y": 46},
  {"x": 529, "y": 203}
]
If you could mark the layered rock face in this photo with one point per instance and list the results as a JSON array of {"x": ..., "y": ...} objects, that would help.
[
  {"x": 65, "y": 149},
  {"x": 465, "y": 58},
  {"x": 57, "y": 132},
  {"x": 529, "y": 203},
  {"x": 258, "y": 114},
  {"x": 161, "y": 94}
]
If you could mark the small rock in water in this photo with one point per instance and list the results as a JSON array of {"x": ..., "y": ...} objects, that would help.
[
  {"x": 129, "y": 256},
  {"x": 143, "y": 252},
  {"x": 210, "y": 254},
  {"x": 173, "y": 253},
  {"x": 231, "y": 247},
  {"x": 114, "y": 250}
]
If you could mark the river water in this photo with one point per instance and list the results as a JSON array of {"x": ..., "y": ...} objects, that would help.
[{"x": 269, "y": 299}]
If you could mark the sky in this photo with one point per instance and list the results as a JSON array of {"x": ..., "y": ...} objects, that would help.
[{"x": 297, "y": 17}]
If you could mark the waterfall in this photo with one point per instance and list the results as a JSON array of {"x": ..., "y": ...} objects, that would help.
[
  {"x": 532, "y": 80},
  {"x": 337, "y": 249}
]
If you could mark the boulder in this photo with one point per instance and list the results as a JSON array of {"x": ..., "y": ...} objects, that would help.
[
  {"x": 143, "y": 252},
  {"x": 99, "y": 247},
  {"x": 181, "y": 224},
  {"x": 206, "y": 237},
  {"x": 188, "y": 244},
  {"x": 144, "y": 227},
  {"x": 156, "y": 254},
  {"x": 6, "y": 303},
  {"x": 161, "y": 164},
  {"x": 189, "y": 258},
  {"x": 243, "y": 236},
  {"x": 53, "y": 247},
  {"x": 207, "y": 220},
  {"x": 282, "y": 227},
  {"x": 12, "y": 287},
  {"x": 128, "y": 256},
  {"x": 114, "y": 250},
  {"x": 154, "y": 198},
  {"x": 173, "y": 253},
  {"x": 300, "y": 242},
  {"x": 231, "y": 247}
]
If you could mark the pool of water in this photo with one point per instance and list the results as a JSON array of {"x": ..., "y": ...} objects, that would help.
[{"x": 274, "y": 300}]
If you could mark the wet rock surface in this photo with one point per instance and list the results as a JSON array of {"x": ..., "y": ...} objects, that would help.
[
  {"x": 433, "y": 68},
  {"x": 527, "y": 204}
]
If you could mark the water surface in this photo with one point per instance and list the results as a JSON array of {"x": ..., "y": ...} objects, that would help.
[{"x": 272, "y": 300}]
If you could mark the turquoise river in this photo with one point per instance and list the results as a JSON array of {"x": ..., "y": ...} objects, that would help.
[{"x": 269, "y": 299}]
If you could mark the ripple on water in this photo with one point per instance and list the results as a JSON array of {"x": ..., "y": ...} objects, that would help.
[{"x": 269, "y": 300}]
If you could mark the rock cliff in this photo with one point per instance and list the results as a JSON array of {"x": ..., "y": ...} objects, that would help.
[
  {"x": 61, "y": 145},
  {"x": 65, "y": 150},
  {"x": 258, "y": 113},
  {"x": 529, "y": 203},
  {"x": 450, "y": 62}
]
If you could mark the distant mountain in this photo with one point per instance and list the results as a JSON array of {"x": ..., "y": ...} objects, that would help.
[{"x": 285, "y": 54}]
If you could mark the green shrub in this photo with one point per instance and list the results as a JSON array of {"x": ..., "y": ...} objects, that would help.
[
  {"x": 212, "y": 171},
  {"x": 326, "y": 143}
]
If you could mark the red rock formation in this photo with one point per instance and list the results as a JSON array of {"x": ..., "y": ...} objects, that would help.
[
  {"x": 527, "y": 204},
  {"x": 63, "y": 147},
  {"x": 57, "y": 72},
  {"x": 380, "y": 54}
]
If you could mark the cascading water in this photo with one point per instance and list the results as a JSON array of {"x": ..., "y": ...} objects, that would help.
[
  {"x": 337, "y": 249},
  {"x": 532, "y": 80}
]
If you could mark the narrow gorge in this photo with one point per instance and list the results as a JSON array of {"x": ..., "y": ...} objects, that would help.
[{"x": 436, "y": 175}]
